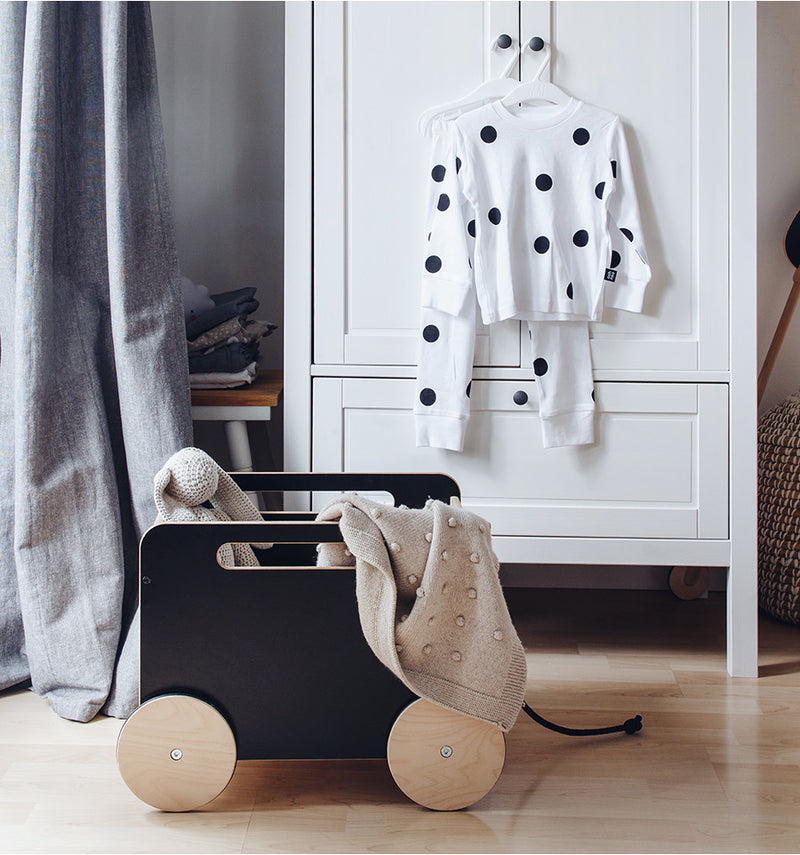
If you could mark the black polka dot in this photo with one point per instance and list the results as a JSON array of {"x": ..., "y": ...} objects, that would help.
[
  {"x": 614, "y": 168},
  {"x": 427, "y": 397},
  {"x": 628, "y": 233},
  {"x": 433, "y": 264},
  {"x": 569, "y": 290},
  {"x": 458, "y": 165},
  {"x": 544, "y": 181},
  {"x": 581, "y": 136},
  {"x": 581, "y": 238},
  {"x": 540, "y": 366},
  {"x": 429, "y": 235},
  {"x": 593, "y": 394},
  {"x": 471, "y": 228},
  {"x": 469, "y": 389},
  {"x": 469, "y": 261},
  {"x": 541, "y": 244},
  {"x": 600, "y": 189},
  {"x": 438, "y": 172},
  {"x": 431, "y": 332},
  {"x": 444, "y": 202},
  {"x": 494, "y": 216},
  {"x": 615, "y": 259},
  {"x": 488, "y": 134}
]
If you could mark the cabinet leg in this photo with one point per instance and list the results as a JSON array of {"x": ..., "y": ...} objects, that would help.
[{"x": 689, "y": 583}]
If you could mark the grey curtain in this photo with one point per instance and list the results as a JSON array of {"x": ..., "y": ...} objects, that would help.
[{"x": 94, "y": 390}]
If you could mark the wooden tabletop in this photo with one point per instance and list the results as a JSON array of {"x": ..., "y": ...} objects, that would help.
[{"x": 264, "y": 391}]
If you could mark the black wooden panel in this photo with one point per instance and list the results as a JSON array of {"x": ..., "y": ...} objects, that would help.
[
  {"x": 279, "y": 652},
  {"x": 407, "y": 488}
]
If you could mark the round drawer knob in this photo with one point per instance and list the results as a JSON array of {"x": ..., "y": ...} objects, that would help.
[
  {"x": 504, "y": 41},
  {"x": 536, "y": 43},
  {"x": 520, "y": 397}
]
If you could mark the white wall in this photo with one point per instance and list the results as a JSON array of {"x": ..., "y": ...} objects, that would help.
[
  {"x": 220, "y": 67},
  {"x": 220, "y": 70},
  {"x": 778, "y": 184}
]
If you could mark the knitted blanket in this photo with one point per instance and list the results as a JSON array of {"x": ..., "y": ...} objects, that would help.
[{"x": 430, "y": 603}]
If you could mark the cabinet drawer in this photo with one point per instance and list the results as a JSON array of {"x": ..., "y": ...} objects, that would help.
[{"x": 657, "y": 470}]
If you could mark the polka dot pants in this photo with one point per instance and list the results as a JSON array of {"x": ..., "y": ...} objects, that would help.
[{"x": 560, "y": 358}]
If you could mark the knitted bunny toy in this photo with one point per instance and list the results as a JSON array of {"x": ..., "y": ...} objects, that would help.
[{"x": 188, "y": 479}]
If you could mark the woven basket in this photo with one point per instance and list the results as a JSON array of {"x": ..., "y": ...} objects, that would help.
[{"x": 779, "y": 511}]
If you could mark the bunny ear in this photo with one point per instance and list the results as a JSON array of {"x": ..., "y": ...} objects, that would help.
[
  {"x": 165, "y": 503},
  {"x": 233, "y": 501}
]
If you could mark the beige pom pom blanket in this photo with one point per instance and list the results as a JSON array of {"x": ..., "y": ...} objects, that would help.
[{"x": 431, "y": 605}]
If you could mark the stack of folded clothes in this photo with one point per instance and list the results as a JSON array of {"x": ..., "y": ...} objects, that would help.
[{"x": 222, "y": 340}]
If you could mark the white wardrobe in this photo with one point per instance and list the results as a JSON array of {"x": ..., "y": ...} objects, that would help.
[{"x": 671, "y": 478}]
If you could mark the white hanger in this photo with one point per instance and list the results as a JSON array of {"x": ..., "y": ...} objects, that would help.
[
  {"x": 536, "y": 89},
  {"x": 489, "y": 90}
]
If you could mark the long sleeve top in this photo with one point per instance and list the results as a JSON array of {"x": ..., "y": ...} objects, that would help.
[{"x": 536, "y": 215}]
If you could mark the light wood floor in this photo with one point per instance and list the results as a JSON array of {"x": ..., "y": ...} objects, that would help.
[{"x": 716, "y": 768}]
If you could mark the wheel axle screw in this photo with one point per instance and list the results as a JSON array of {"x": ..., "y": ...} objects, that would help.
[
  {"x": 446, "y": 751},
  {"x": 176, "y": 754}
]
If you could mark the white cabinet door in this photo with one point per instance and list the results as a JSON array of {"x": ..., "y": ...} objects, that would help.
[
  {"x": 658, "y": 469},
  {"x": 377, "y": 67},
  {"x": 663, "y": 68}
]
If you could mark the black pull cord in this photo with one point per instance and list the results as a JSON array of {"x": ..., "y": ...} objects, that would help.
[{"x": 631, "y": 726}]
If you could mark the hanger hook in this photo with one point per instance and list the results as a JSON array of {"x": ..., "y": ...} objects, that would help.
[
  {"x": 537, "y": 44},
  {"x": 503, "y": 42}
]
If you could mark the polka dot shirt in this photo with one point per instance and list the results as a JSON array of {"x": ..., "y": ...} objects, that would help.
[{"x": 535, "y": 213}]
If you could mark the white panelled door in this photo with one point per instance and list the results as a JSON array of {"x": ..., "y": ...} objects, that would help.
[
  {"x": 377, "y": 67},
  {"x": 661, "y": 66}
]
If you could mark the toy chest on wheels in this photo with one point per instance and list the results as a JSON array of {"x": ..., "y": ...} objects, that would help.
[{"x": 271, "y": 663}]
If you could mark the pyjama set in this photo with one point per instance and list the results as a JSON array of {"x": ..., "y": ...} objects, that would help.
[{"x": 532, "y": 215}]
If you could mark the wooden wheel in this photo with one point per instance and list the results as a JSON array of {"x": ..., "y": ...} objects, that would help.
[
  {"x": 176, "y": 753},
  {"x": 444, "y": 760},
  {"x": 688, "y": 583}
]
